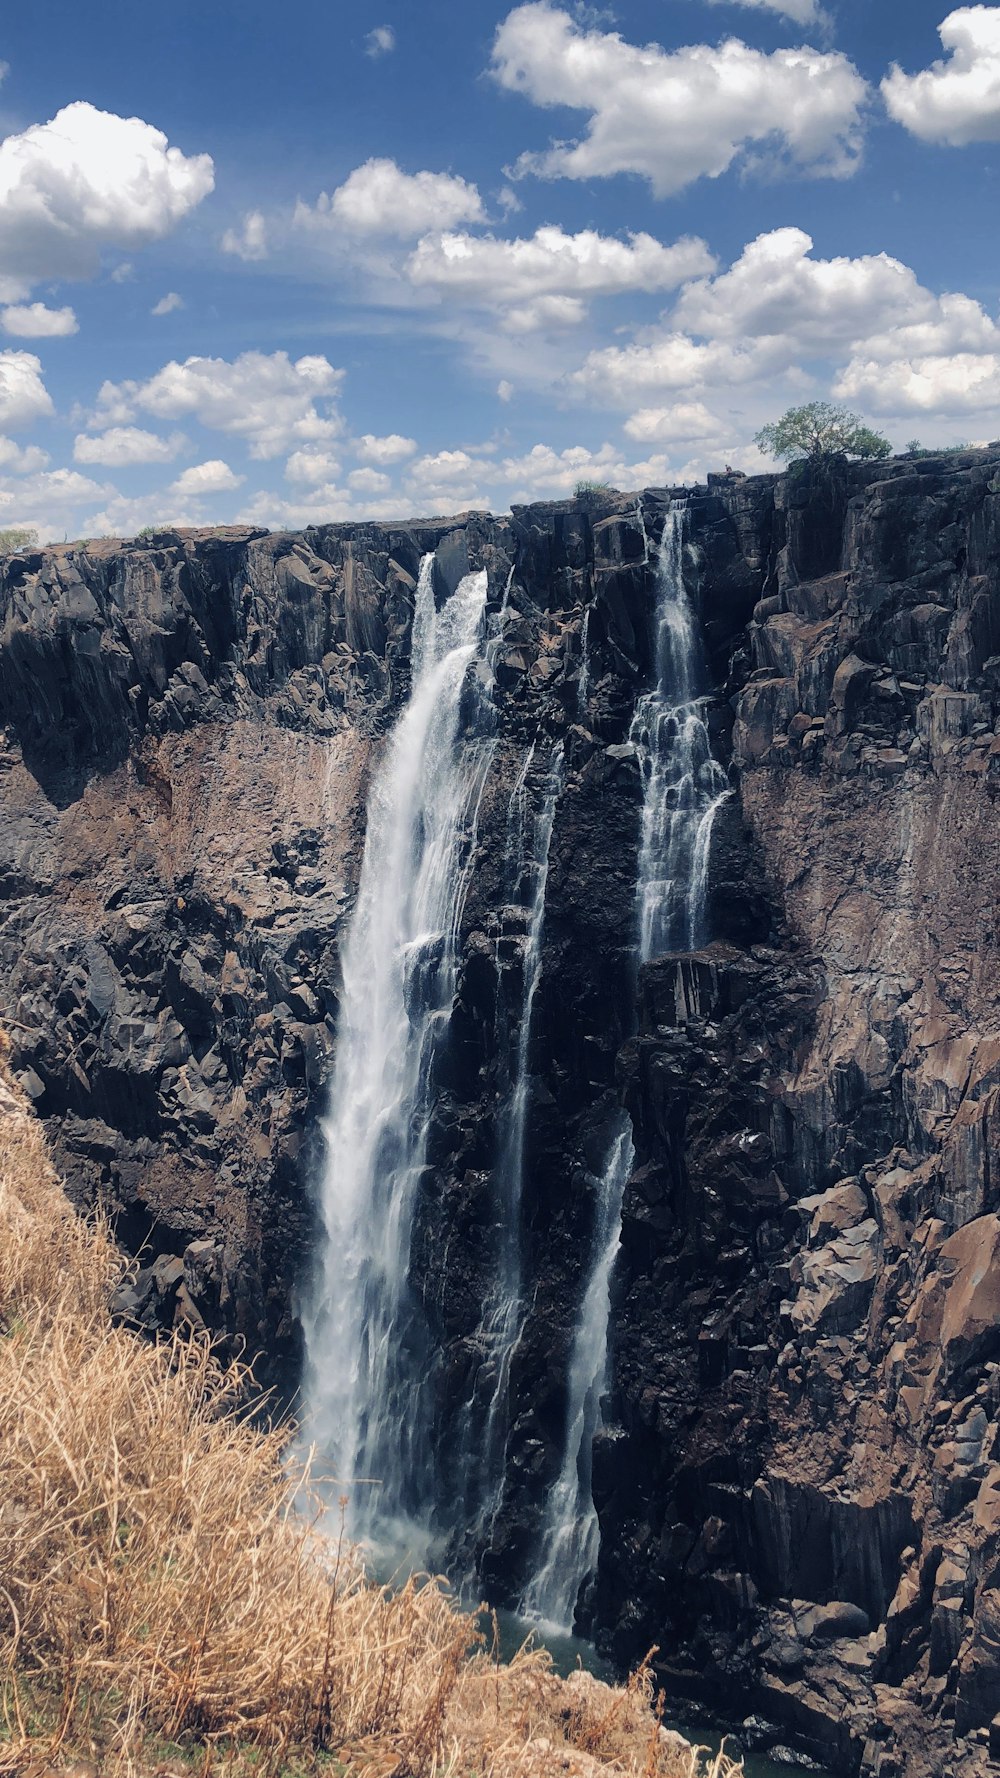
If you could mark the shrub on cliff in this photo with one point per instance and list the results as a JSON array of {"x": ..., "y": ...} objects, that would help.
[
  {"x": 162, "y": 1594},
  {"x": 821, "y": 430},
  {"x": 17, "y": 537}
]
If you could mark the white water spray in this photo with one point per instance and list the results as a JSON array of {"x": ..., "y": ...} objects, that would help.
[
  {"x": 684, "y": 787},
  {"x": 367, "y": 1374}
]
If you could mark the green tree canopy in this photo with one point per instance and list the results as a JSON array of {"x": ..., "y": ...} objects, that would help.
[
  {"x": 821, "y": 430},
  {"x": 17, "y": 537}
]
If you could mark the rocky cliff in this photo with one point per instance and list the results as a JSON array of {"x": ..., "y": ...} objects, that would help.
[{"x": 799, "y": 1481}]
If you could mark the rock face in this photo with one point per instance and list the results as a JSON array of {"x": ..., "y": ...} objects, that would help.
[{"x": 799, "y": 1480}]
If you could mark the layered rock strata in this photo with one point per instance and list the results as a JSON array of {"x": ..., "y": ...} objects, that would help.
[{"x": 798, "y": 1481}]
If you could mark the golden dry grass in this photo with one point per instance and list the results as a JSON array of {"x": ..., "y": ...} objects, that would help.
[{"x": 164, "y": 1604}]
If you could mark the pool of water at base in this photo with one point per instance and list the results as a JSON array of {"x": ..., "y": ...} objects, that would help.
[{"x": 570, "y": 1652}]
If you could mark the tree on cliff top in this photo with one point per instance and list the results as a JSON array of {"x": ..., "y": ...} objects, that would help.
[
  {"x": 17, "y": 537},
  {"x": 821, "y": 430}
]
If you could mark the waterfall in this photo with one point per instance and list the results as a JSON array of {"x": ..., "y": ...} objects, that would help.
[
  {"x": 571, "y": 1535},
  {"x": 583, "y": 683},
  {"x": 369, "y": 1370},
  {"x": 528, "y": 849},
  {"x": 683, "y": 786}
]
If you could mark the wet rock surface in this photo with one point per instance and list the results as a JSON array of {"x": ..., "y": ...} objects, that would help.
[{"x": 799, "y": 1480}]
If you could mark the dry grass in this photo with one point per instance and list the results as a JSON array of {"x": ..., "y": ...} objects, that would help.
[{"x": 165, "y": 1607}]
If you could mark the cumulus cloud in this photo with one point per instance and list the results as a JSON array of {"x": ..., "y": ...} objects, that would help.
[
  {"x": 23, "y": 396},
  {"x": 779, "y": 312},
  {"x": 391, "y": 448},
  {"x": 955, "y": 101},
  {"x": 311, "y": 467},
  {"x": 33, "y": 321},
  {"x": 446, "y": 481},
  {"x": 213, "y": 477},
  {"x": 86, "y": 181},
  {"x": 49, "y": 501},
  {"x": 679, "y": 423},
  {"x": 269, "y": 400},
  {"x": 167, "y": 304},
  {"x": 677, "y": 116},
  {"x": 776, "y": 287},
  {"x": 953, "y": 384},
  {"x": 249, "y": 241},
  {"x": 381, "y": 41},
  {"x": 622, "y": 375},
  {"x": 18, "y": 459},
  {"x": 543, "y": 280},
  {"x": 369, "y": 481},
  {"x": 122, "y": 446},
  {"x": 380, "y": 199}
]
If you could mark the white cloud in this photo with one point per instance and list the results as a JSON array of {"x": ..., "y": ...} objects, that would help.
[
  {"x": 311, "y": 467},
  {"x": 678, "y": 116},
  {"x": 446, "y": 481},
  {"x": 86, "y": 181},
  {"x": 392, "y": 448},
  {"x": 777, "y": 288},
  {"x": 622, "y": 375},
  {"x": 955, "y": 101},
  {"x": 23, "y": 396},
  {"x": 248, "y": 242},
  {"x": 18, "y": 459},
  {"x": 681, "y": 422},
  {"x": 124, "y": 273},
  {"x": 266, "y": 399},
  {"x": 48, "y": 501},
  {"x": 381, "y": 41},
  {"x": 542, "y": 280},
  {"x": 369, "y": 481},
  {"x": 123, "y": 515},
  {"x": 959, "y": 383},
  {"x": 801, "y": 12},
  {"x": 505, "y": 389},
  {"x": 33, "y": 321},
  {"x": 323, "y": 505},
  {"x": 214, "y": 477},
  {"x": 122, "y": 446},
  {"x": 380, "y": 199},
  {"x": 167, "y": 304}
]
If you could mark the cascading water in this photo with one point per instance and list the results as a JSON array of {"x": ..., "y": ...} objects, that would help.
[
  {"x": 528, "y": 849},
  {"x": 368, "y": 1387},
  {"x": 683, "y": 788},
  {"x": 571, "y": 1536}
]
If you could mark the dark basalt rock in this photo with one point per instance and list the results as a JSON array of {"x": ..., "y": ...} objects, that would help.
[{"x": 799, "y": 1477}]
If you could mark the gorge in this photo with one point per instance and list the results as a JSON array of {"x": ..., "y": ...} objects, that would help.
[{"x": 747, "y": 1129}]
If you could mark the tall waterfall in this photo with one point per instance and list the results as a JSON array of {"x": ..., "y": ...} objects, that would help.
[
  {"x": 367, "y": 1378},
  {"x": 683, "y": 787},
  {"x": 528, "y": 847},
  {"x": 571, "y": 1536}
]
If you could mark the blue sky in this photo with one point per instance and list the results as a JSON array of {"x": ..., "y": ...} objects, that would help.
[{"x": 347, "y": 260}]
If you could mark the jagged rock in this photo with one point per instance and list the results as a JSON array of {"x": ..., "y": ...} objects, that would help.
[{"x": 802, "y": 1410}]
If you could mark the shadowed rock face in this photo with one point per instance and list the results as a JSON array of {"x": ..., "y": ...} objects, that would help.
[{"x": 799, "y": 1484}]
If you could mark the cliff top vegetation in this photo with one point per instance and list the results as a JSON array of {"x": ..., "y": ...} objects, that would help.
[{"x": 821, "y": 430}]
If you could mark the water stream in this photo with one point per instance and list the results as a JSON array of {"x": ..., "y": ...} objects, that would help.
[
  {"x": 683, "y": 788},
  {"x": 684, "y": 785},
  {"x": 368, "y": 1367}
]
